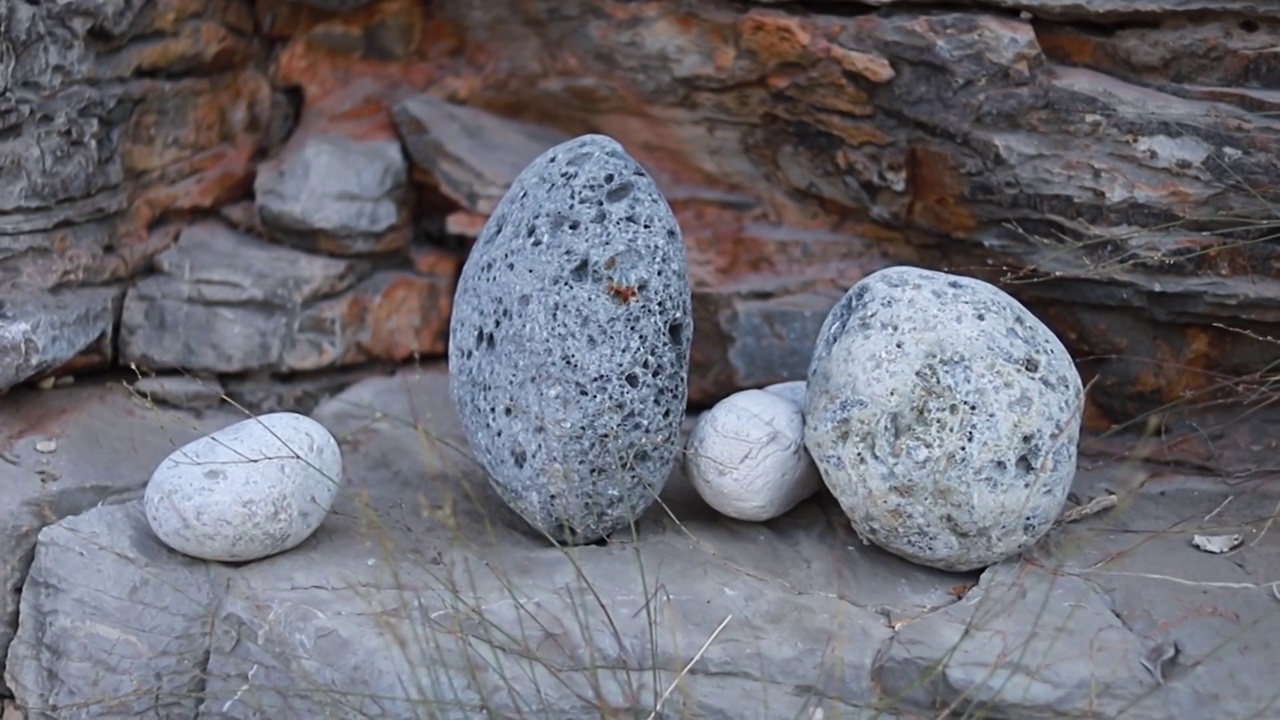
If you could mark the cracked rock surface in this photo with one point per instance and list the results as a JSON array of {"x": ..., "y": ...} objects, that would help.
[{"x": 422, "y": 595}]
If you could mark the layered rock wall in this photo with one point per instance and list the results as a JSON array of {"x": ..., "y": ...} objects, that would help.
[{"x": 226, "y": 187}]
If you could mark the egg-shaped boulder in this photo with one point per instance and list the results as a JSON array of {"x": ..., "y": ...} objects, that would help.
[
  {"x": 250, "y": 490},
  {"x": 569, "y": 341},
  {"x": 943, "y": 416}
]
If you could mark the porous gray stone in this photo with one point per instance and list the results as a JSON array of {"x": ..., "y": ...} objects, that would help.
[
  {"x": 943, "y": 416},
  {"x": 247, "y": 491},
  {"x": 569, "y": 341}
]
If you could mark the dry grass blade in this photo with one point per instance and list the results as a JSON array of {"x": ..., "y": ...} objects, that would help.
[{"x": 685, "y": 671}]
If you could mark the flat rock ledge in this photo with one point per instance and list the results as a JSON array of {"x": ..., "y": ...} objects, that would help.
[{"x": 423, "y": 596}]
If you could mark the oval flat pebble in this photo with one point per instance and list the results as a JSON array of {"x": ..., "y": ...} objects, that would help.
[
  {"x": 746, "y": 455},
  {"x": 250, "y": 490},
  {"x": 569, "y": 341},
  {"x": 944, "y": 417}
]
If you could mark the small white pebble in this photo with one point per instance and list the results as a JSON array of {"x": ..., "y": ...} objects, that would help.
[
  {"x": 747, "y": 457},
  {"x": 46, "y": 446},
  {"x": 46, "y": 383},
  {"x": 64, "y": 381}
]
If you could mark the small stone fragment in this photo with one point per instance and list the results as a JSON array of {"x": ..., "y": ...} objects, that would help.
[
  {"x": 569, "y": 342},
  {"x": 746, "y": 457},
  {"x": 254, "y": 489},
  {"x": 1217, "y": 544},
  {"x": 944, "y": 417},
  {"x": 47, "y": 446}
]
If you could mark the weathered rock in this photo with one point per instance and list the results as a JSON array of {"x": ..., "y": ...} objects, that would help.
[
  {"x": 263, "y": 392},
  {"x": 248, "y": 491},
  {"x": 570, "y": 341},
  {"x": 335, "y": 194},
  {"x": 746, "y": 456},
  {"x": 40, "y": 331},
  {"x": 1022, "y": 643},
  {"x": 1095, "y": 9},
  {"x": 474, "y": 156},
  {"x": 944, "y": 417},
  {"x": 107, "y": 442},
  {"x": 417, "y": 596},
  {"x": 1038, "y": 152},
  {"x": 225, "y": 302},
  {"x": 77, "y": 603}
]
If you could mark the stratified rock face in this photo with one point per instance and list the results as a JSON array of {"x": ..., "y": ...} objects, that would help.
[
  {"x": 944, "y": 417},
  {"x": 227, "y": 302},
  {"x": 569, "y": 344},
  {"x": 247, "y": 491}
]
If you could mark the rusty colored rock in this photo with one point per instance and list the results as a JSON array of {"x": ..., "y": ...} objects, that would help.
[{"x": 472, "y": 155}]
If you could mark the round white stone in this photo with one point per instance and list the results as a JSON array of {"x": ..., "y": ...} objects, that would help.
[
  {"x": 746, "y": 456},
  {"x": 250, "y": 490},
  {"x": 793, "y": 391},
  {"x": 943, "y": 416}
]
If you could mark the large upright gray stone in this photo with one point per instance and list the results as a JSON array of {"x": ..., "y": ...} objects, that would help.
[
  {"x": 569, "y": 342},
  {"x": 943, "y": 416}
]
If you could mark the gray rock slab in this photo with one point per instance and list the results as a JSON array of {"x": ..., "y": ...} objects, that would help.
[
  {"x": 944, "y": 417},
  {"x": 216, "y": 264},
  {"x": 474, "y": 155},
  {"x": 334, "y": 186},
  {"x": 105, "y": 443},
  {"x": 569, "y": 341},
  {"x": 111, "y": 599},
  {"x": 40, "y": 331},
  {"x": 423, "y": 595},
  {"x": 224, "y": 301}
]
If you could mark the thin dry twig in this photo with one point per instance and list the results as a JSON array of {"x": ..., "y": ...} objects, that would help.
[{"x": 698, "y": 655}]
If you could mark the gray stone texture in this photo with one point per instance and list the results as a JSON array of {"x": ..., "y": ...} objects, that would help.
[
  {"x": 351, "y": 193},
  {"x": 420, "y": 596},
  {"x": 569, "y": 342},
  {"x": 40, "y": 331},
  {"x": 943, "y": 416}
]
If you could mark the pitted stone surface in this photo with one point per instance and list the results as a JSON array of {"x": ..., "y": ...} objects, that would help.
[
  {"x": 569, "y": 342},
  {"x": 943, "y": 416}
]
